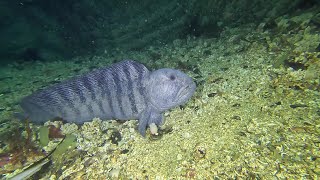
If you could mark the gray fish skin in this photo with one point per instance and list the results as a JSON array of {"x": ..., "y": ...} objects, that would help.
[{"x": 125, "y": 90}]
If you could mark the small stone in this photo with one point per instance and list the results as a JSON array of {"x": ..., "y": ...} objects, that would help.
[
  {"x": 114, "y": 173},
  {"x": 186, "y": 135},
  {"x": 115, "y": 137},
  {"x": 236, "y": 105},
  {"x": 153, "y": 129},
  {"x": 212, "y": 94},
  {"x": 236, "y": 117},
  {"x": 199, "y": 153}
]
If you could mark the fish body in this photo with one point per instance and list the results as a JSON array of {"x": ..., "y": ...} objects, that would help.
[{"x": 124, "y": 90}]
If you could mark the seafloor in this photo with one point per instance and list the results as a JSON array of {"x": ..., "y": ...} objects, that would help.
[{"x": 255, "y": 114}]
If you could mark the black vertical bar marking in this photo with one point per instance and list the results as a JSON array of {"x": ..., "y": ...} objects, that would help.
[
  {"x": 125, "y": 102},
  {"x": 141, "y": 88},
  {"x": 79, "y": 90},
  {"x": 89, "y": 85},
  {"x": 90, "y": 110},
  {"x": 139, "y": 79},
  {"x": 141, "y": 71},
  {"x": 56, "y": 100},
  {"x": 108, "y": 94},
  {"x": 101, "y": 84},
  {"x": 130, "y": 90},
  {"x": 138, "y": 69},
  {"x": 101, "y": 107},
  {"x": 119, "y": 91},
  {"x": 76, "y": 94},
  {"x": 66, "y": 95}
]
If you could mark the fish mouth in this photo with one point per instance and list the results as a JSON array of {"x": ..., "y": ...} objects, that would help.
[
  {"x": 186, "y": 92},
  {"x": 181, "y": 97}
]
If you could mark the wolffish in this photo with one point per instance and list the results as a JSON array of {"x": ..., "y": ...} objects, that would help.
[{"x": 125, "y": 90}]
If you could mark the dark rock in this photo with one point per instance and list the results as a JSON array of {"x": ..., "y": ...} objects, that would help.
[
  {"x": 212, "y": 94},
  {"x": 224, "y": 69},
  {"x": 207, "y": 52},
  {"x": 275, "y": 104},
  {"x": 298, "y": 105},
  {"x": 115, "y": 137},
  {"x": 236, "y": 117},
  {"x": 236, "y": 105},
  {"x": 294, "y": 65},
  {"x": 125, "y": 151}
]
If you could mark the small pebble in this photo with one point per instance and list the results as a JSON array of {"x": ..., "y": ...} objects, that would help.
[
  {"x": 114, "y": 173},
  {"x": 212, "y": 94},
  {"x": 153, "y": 129},
  {"x": 186, "y": 135}
]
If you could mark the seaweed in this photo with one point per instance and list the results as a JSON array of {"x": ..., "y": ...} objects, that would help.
[{"x": 21, "y": 149}]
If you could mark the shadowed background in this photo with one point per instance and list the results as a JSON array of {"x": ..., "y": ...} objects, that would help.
[{"x": 61, "y": 29}]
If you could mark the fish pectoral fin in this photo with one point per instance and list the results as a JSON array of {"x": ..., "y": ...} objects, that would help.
[
  {"x": 147, "y": 118},
  {"x": 143, "y": 122}
]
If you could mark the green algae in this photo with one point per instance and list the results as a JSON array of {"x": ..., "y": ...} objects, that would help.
[
  {"x": 68, "y": 143},
  {"x": 44, "y": 136}
]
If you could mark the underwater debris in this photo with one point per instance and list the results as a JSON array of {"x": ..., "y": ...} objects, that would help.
[
  {"x": 47, "y": 133},
  {"x": 190, "y": 173},
  {"x": 4, "y": 159},
  {"x": 35, "y": 167},
  {"x": 21, "y": 150},
  {"x": 298, "y": 105},
  {"x": 55, "y": 132},
  {"x": 30, "y": 171}
]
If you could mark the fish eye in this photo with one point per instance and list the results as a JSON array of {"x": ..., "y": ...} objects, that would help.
[{"x": 172, "y": 77}]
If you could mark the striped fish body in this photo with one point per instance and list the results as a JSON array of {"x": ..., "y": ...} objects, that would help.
[
  {"x": 121, "y": 91},
  {"x": 115, "y": 92}
]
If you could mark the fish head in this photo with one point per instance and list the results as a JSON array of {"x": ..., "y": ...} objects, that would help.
[{"x": 168, "y": 88}]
